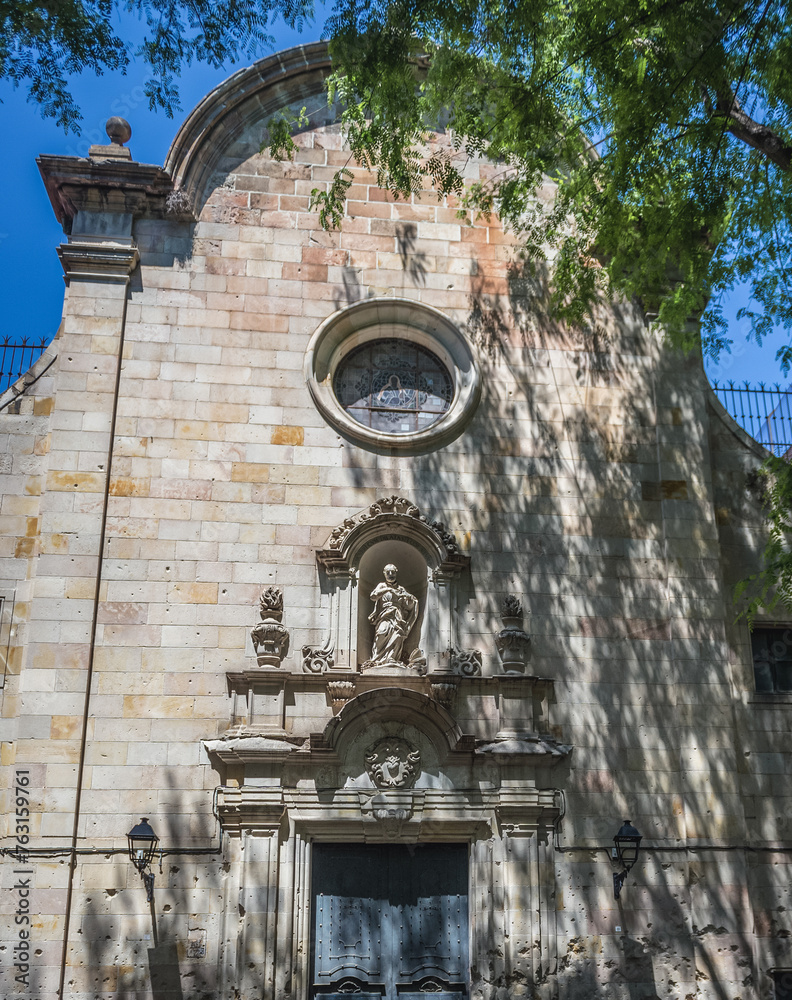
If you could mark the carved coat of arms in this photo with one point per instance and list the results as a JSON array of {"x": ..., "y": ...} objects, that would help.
[{"x": 393, "y": 763}]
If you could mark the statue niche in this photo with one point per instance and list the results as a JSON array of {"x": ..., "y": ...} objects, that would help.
[
  {"x": 391, "y": 612},
  {"x": 394, "y": 616},
  {"x": 380, "y": 623}
]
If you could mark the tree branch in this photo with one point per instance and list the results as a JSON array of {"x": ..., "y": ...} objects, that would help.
[{"x": 753, "y": 133}]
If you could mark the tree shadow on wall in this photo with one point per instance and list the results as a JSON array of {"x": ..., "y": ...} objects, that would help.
[
  {"x": 164, "y": 974},
  {"x": 352, "y": 290},
  {"x": 630, "y": 977},
  {"x": 637, "y": 970},
  {"x": 174, "y": 249},
  {"x": 413, "y": 261},
  {"x": 560, "y": 470},
  {"x": 519, "y": 312},
  {"x": 166, "y": 950}
]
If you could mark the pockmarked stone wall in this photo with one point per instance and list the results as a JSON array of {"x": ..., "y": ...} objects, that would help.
[{"x": 166, "y": 461}]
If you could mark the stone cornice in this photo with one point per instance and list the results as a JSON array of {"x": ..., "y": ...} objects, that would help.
[
  {"x": 433, "y": 814},
  {"x": 108, "y": 262},
  {"x": 258, "y": 809},
  {"x": 528, "y": 747},
  {"x": 77, "y": 184},
  {"x": 250, "y": 749},
  {"x": 294, "y": 680}
]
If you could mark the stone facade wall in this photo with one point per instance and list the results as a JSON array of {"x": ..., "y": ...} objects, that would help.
[{"x": 170, "y": 464}]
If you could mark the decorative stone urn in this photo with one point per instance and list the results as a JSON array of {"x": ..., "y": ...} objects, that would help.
[
  {"x": 512, "y": 641},
  {"x": 270, "y": 637}
]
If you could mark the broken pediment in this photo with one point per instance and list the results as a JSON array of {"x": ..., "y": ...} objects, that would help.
[{"x": 398, "y": 517}]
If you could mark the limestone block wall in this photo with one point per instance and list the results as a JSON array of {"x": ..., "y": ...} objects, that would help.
[
  {"x": 761, "y": 723},
  {"x": 171, "y": 463}
]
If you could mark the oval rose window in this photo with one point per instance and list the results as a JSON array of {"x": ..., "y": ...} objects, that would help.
[{"x": 393, "y": 373}]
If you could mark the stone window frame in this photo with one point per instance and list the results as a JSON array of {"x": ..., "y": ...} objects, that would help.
[
  {"x": 402, "y": 319},
  {"x": 782, "y": 977},
  {"x": 767, "y": 698}
]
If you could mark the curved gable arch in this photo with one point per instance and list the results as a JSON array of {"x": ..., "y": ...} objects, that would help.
[{"x": 204, "y": 144}]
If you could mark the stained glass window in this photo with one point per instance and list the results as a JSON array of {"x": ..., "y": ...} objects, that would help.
[{"x": 393, "y": 386}]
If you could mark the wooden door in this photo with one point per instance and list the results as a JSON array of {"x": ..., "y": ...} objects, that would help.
[{"x": 390, "y": 921}]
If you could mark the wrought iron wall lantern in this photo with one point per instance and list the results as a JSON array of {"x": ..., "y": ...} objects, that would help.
[
  {"x": 627, "y": 844},
  {"x": 142, "y": 845}
]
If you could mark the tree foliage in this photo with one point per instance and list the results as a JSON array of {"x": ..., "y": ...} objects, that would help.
[
  {"x": 763, "y": 591},
  {"x": 43, "y": 42},
  {"x": 665, "y": 124},
  {"x": 667, "y": 127}
]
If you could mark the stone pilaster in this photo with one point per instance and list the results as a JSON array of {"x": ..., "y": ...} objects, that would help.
[{"x": 56, "y": 681}]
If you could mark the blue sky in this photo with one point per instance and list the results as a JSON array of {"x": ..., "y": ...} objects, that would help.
[{"x": 31, "y": 288}]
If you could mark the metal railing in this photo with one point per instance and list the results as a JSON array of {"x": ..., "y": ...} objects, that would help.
[
  {"x": 764, "y": 413},
  {"x": 17, "y": 355}
]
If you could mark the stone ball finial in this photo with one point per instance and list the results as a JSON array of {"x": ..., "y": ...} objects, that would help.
[{"x": 119, "y": 130}]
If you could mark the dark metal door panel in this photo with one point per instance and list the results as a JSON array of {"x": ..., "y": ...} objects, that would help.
[
  {"x": 350, "y": 892},
  {"x": 390, "y": 921},
  {"x": 429, "y": 893},
  {"x": 428, "y": 994}
]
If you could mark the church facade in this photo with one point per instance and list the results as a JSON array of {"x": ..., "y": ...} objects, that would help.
[{"x": 382, "y": 597}]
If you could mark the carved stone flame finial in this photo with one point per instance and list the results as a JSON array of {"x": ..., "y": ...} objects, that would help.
[
  {"x": 511, "y": 607},
  {"x": 271, "y": 603},
  {"x": 270, "y": 637},
  {"x": 512, "y": 641}
]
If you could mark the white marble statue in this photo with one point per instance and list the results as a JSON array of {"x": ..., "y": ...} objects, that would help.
[{"x": 395, "y": 612}]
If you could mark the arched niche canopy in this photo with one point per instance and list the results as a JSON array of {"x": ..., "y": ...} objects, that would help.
[
  {"x": 392, "y": 516},
  {"x": 393, "y": 704},
  {"x": 392, "y": 531}
]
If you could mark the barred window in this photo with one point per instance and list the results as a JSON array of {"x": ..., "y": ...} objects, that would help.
[
  {"x": 772, "y": 660},
  {"x": 394, "y": 386}
]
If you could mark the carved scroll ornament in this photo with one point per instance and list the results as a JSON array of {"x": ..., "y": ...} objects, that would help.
[
  {"x": 318, "y": 660},
  {"x": 466, "y": 662}
]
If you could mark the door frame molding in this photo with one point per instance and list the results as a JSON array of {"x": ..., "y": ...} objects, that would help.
[{"x": 510, "y": 872}]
